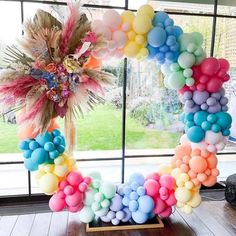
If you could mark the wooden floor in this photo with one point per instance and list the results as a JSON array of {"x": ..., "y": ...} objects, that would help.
[{"x": 211, "y": 218}]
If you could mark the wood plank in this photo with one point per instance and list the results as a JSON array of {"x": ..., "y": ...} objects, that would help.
[
  {"x": 195, "y": 223},
  {"x": 225, "y": 214},
  {"x": 23, "y": 225},
  {"x": 59, "y": 222},
  {"x": 41, "y": 224},
  {"x": 215, "y": 226},
  {"x": 6, "y": 224},
  {"x": 74, "y": 225}
]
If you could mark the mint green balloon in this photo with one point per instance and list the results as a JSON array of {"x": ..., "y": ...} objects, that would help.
[
  {"x": 199, "y": 59},
  {"x": 96, "y": 206},
  {"x": 95, "y": 175},
  {"x": 176, "y": 80},
  {"x": 89, "y": 197},
  {"x": 108, "y": 189},
  {"x": 186, "y": 60},
  {"x": 102, "y": 212},
  {"x": 105, "y": 203},
  {"x": 198, "y": 38},
  {"x": 99, "y": 197},
  {"x": 86, "y": 214},
  {"x": 190, "y": 81},
  {"x": 96, "y": 183}
]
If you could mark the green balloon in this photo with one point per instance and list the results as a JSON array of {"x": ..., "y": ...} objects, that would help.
[
  {"x": 96, "y": 206},
  {"x": 105, "y": 203},
  {"x": 95, "y": 175},
  {"x": 99, "y": 197},
  {"x": 102, "y": 212},
  {"x": 198, "y": 38},
  {"x": 186, "y": 60},
  {"x": 96, "y": 183},
  {"x": 176, "y": 80},
  {"x": 86, "y": 214},
  {"x": 108, "y": 189},
  {"x": 89, "y": 197},
  {"x": 200, "y": 59}
]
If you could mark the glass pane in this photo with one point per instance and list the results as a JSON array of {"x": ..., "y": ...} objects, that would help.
[
  {"x": 191, "y": 6},
  {"x": 14, "y": 180},
  {"x": 225, "y": 47},
  {"x": 226, "y": 7},
  {"x": 11, "y": 30},
  {"x": 110, "y": 171}
]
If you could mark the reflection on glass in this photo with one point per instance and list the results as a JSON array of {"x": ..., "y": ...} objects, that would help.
[
  {"x": 198, "y": 6},
  {"x": 226, "y": 7},
  {"x": 225, "y": 46}
]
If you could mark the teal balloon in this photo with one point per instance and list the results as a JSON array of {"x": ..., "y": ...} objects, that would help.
[
  {"x": 49, "y": 146},
  {"x": 200, "y": 117},
  {"x": 57, "y": 140},
  {"x": 186, "y": 60},
  {"x": 56, "y": 132},
  {"x": 206, "y": 125},
  {"x": 86, "y": 214},
  {"x": 53, "y": 154},
  {"x": 215, "y": 128},
  {"x": 33, "y": 145},
  {"x": 108, "y": 189},
  {"x": 224, "y": 120},
  {"x": 39, "y": 156},
  {"x": 60, "y": 148},
  {"x": 195, "y": 134},
  {"x": 24, "y": 145},
  {"x": 176, "y": 80},
  {"x": 212, "y": 118},
  {"x": 156, "y": 37}
]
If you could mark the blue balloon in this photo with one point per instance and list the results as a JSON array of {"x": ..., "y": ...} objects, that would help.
[
  {"x": 53, "y": 154},
  {"x": 164, "y": 48},
  {"x": 170, "y": 30},
  {"x": 125, "y": 201},
  {"x": 195, "y": 134},
  {"x": 29, "y": 165},
  {"x": 39, "y": 156},
  {"x": 138, "y": 178},
  {"x": 33, "y": 145},
  {"x": 127, "y": 215},
  {"x": 24, "y": 145},
  {"x": 171, "y": 40},
  {"x": 134, "y": 185},
  {"x": 177, "y": 31},
  {"x": 44, "y": 138},
  {"x": 152, "y": 51},
  {"x": 141, "y": 191},
  {"x": 139, "y": 217},
  {"x": 27, "y": 153},
  {"x": 133, "y": 205},
  {"x": 133, "y": 195},
  {"x": 127, "y": 190},
  {"x": 168, "y": 22},
  {"x": 146, "y": 204},
  {"x": 57, "y": 140},
  {"x": 49, "y": 146},
  {"x": 170, "y": 56},
  {"x": 159, "y": 17},
  {"x": 175, "y": 48},
  {"x": 156, "y": 37},
  {"x": 160, "y": 56}
]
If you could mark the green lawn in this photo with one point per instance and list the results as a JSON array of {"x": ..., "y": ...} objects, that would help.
[{"x": 101, "y": 130}]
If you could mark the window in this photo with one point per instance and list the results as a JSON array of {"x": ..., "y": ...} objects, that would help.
[{"x": 137, "y": 121}]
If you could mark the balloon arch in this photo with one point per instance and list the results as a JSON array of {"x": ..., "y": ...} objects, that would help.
[{"x": 55, "y": 72}]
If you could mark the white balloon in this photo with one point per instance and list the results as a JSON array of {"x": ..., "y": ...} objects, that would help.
[{"x": 213, "y": 138}]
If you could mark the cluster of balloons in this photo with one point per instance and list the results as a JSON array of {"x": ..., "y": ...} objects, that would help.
[
  {"x": 43, "y": 149},
  {"x": 202, "y": 100},
  {"x": 200, "y": 165},
  {"x": 198, "y": 79},
  {"x": 196, "y": 124}
]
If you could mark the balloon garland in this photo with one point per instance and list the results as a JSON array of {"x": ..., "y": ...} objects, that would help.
[{"x": 56, "y": 72}]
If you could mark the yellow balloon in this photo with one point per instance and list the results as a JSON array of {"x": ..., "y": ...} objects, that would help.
[
  {"x": 139, "y": 39},
  {"x": 48, "y": 183},
  {"x": 131, "y": 35},
  {"x": 183, "y": 195},
  {"x": 187, "y": 209},
  {"x": 143, "y": 53},
  {"x": 142, "y": 24},
  {"x": 61, "y": 170},
  {"x": 196, "y": 200},
  {"x": 127, "y": 17},
  {"x": 131, "y": 49},
  {"x": 164, "y": 169},
  {"x": 146, "y": 10}
]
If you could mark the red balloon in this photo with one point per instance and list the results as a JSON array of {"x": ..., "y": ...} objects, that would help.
[
  {"x": 214, "y": 85},
  {"x": 210, "y": 66},
  {"x": 224, "y": 64}
]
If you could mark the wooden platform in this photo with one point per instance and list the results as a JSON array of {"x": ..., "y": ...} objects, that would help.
[{"x": 211, "y": 218}]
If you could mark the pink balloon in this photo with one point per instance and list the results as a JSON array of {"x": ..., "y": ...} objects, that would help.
[
  {"x": 171, "y": 201},
  {"x": 152, "y": 187},
  {"x": 74, "y": 178},
  {"x": 100, "y": 28},
  {"x": 56, "y": 203},
  {"x": 160, "y": 206},
  {"x": 112, "y": 19},
  {"x": 167, "y": 181},
  {"x": 224, "y": 64},
  {"x": 154, "y": 176},
  {"x": 74, "y": 199},
  {"x": 214, "y": 85},
  {"x": 166, "y": 213},
  {"x": 120, "y": 38},
  {"x": 76, "y": 208}
]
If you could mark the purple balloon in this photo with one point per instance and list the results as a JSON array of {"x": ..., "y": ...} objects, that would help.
[
  {"x": 189, "y": 103},
  {"x": 105, "y": 219},
  {"x": 216, "y": 95},
  {"x": 193, "y": 109},
  {"x": 111, "y": 215},
  {"x": 188, "y": 95},
  {"x": 115, "y": 221},
  {"x": 116, "y": 203},
  {"x": 224, "y": 101},
  {"x": 204, "y": 106},
  {"x": 200, "y": 97},
  {"x": 120, "y": 215},
  {"x": 215, "y": 108},
  {"x": 211, "y": 101},
  {"x": 224, "y": 108},
  {"x": 127, "y": 214}
]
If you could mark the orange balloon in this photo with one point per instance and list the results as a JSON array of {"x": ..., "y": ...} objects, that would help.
[
  {"x": 198, "y": 164},
  {"x": 93, "y": 63},
  {"x": 25, "y": 132}
]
